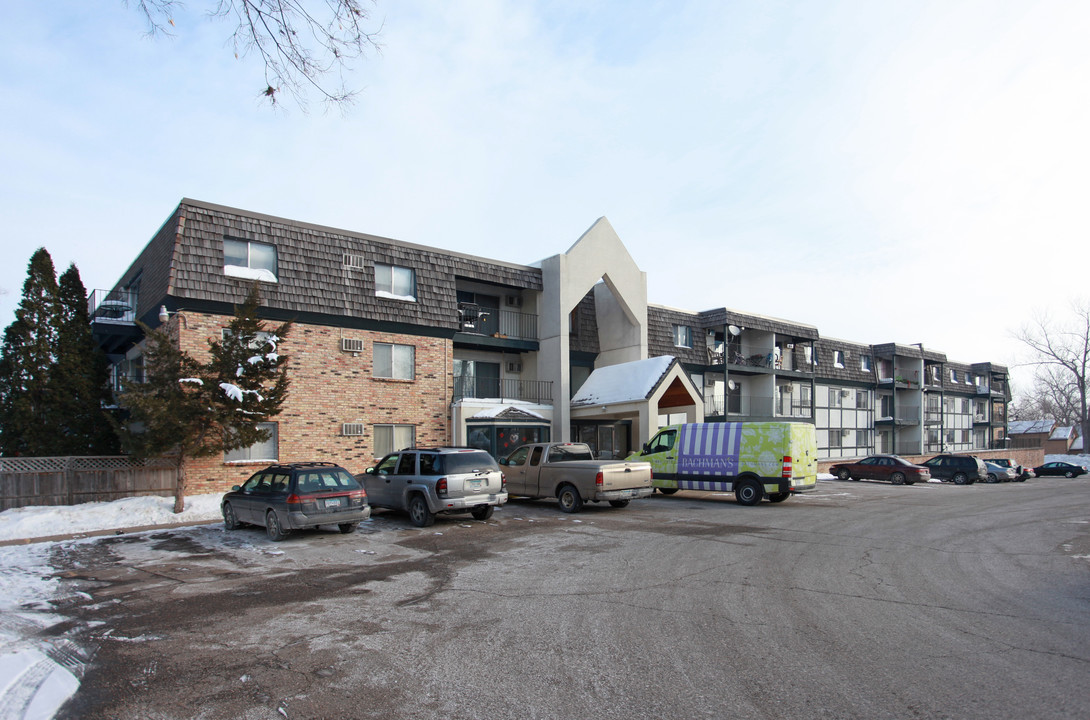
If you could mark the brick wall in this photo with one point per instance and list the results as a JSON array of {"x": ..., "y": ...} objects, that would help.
[{"x": 330, "y": 387}]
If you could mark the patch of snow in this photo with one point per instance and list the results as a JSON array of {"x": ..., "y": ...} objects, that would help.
[
  {"x": 43, "y": 521},
  {"x": 248, "y": 273},
  {"x": 622, "y": 383},
  {"x": 195, "y": 381},
  {"x": 392, "y": 296}
]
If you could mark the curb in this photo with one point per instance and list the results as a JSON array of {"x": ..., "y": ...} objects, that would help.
[{"x": 103, "y": 533}]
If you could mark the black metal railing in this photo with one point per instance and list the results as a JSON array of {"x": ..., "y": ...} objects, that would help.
[
  {"x": 112, "y": 306},
  {"x": 469, "y": 386},
  {"x": 474, "y": 319}
]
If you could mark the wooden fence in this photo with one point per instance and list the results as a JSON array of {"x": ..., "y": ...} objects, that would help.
[{"x": 74, "y": 480}]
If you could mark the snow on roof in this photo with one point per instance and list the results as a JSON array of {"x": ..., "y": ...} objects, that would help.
[
  {"x": 622, "y": 383},
  {"x": 1062, "y": 433},
  {"x": 1023, "y": 427},
  {"x": 497, "y": 410}
]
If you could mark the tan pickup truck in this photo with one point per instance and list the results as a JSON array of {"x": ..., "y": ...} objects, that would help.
[{"x": 569, "y": 472}]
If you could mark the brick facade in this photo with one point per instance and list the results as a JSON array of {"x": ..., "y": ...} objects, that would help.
[{"x": 329, "y": 387}]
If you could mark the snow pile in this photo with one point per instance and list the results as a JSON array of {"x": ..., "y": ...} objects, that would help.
[{"x": 42, "y": 521}]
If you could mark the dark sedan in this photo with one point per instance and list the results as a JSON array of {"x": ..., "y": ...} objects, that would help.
[
  {"x": 1059, "y": 468},
  {"x": 291, "y": 496},
  {"x": 882, "y": 467}
]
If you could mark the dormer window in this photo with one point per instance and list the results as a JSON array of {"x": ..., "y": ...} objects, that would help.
[
  {"x": 683, "y": 336},
  {"x": 395, "y": 282},
  {"x": 249, "y": 260}
]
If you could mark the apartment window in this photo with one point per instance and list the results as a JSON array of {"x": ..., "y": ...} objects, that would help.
[
  {"x": 863, "y": 438},
  {"x": 862, "y": 399},
  {"x": 836, "y": 397},
  {"x": 393, "y": 281},
  {"x": 965, "y": 435},
  {"x": 249, "y": 259},
  {"x": 953, "y": 375},
  {"x": 864, "y": 363},
  {"x": 683, "y": 336},
  {"x": 391, "y": 438},
  {"x": 835, "y": 435},
  {"x": 267, "y": 451},
  {"x": 838, "y": 358},
  {"x": 395, "y": 362}
]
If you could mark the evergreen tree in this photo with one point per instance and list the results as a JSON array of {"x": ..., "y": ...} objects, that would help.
[
  {"x": 26, "y": 358},
  {"x": 186, "y": 408},
  {"x": 79, "y": 383}
]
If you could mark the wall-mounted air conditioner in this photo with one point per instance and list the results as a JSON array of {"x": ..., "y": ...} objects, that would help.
[
  {"x": 844, "y": 392},
  {"x": 514, "y": 301},
  {"x": 351, "y": 345},
  {"x": 514, "y": 366},
  {"x": 352, "y": 429}
]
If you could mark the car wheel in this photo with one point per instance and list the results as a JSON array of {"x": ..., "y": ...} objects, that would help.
[
  {"x": 230, "y": 520},
  {"x": 667, "y": 491},
  {"x": 569, "y": 499},
  {"x": 961, "y": 479},
  {"x": 273, "y": 529},
  {"x": 618, "y": 503},
  {"x": 1069, "y": 474},
  {"x": 843, "y": 474},
  {"x": 419, "y": 512},
  {"x": 992, "y": 478},
  {"x": 348, "y": 528},
  {"x": 897, "y": 478},
  {"x": 482, "y": 512},
  {"x": 748, "y": 492},
  {"x": 778, "y": 497}
]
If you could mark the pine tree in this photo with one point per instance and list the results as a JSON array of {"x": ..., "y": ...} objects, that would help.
[
  {"x": 79, "y": 383},
  {"x": 26, "y": 358},
  {"x": 186, "y": 408}
]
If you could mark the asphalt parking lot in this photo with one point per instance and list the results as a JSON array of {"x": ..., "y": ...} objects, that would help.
[{"x": 860, "y": 600}]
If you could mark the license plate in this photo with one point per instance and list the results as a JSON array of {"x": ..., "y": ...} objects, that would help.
[
  {"x": 627, "y": 493},
  {"x": 474, "y": 484},
  {"x": 334, "y": 502}
]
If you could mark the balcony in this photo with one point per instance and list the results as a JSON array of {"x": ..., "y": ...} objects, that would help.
[
  {"x": 113, "y": 319},
  {"x": 494, "y": 328},
  {"x": 904, "y": 415},
  {"x": 470, "y": 386},
  {"x": 788, "y": 407},
  {"x": 932, "y": 417}
]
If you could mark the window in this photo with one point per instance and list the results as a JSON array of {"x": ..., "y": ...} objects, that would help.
[
  {"x": 838, "y": 358},
  {"x": 953, "y": 375},
  {"x": 836, "y": 397},
  {"x": 393, "y": 281},
  {"x": 862, "y": 438},
  {"x": 249, "y": 260},
  {"x": 391, "y": 438},
  {"x": 835, "y": 436},
  {"x": 394, "y": 361},
  {"x": 267, "y": 451},
  {"x": 862, "y": 399},
  {"x": 864, "y": 363},
  {"x": 683, "y": 336}
]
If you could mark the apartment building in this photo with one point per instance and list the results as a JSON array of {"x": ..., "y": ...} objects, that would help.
[{"x": 399, "y": 344}]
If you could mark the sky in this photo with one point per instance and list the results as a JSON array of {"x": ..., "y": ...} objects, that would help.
[{"x": 895, "y": 171}]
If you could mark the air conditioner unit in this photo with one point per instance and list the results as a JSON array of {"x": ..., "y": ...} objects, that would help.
[
  {"x": 790, "y": 346},
  {"x": 351, "y": 345},
  {"x": 844, "y": 392},
  {"x": 789, "y": 387},
  {"x": 352, "y": 429},
  {"x": 844, "y": 432},
  {"x": 514, "y": 301},
  {"x": 514, "y": 366}
]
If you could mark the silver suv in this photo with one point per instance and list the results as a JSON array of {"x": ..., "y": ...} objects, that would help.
[{"x": 428, "y": 481}]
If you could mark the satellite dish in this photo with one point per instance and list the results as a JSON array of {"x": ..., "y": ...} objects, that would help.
[
  {"x": 732, "y": 385},
  {"x": 734, "y": 330}
]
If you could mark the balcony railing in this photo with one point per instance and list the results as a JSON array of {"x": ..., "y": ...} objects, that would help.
[
  {"x": 498, "y": 323},
  {"x": 787, "y": 407},
  {"x": 112, "y": 306},
  {"x": 468, "y": 386},
  {"x": 932, "y": 417}
]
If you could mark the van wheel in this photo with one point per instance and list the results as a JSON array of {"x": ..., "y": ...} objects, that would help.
[
  {"x": 897, "y": 478},
  {"x": 961, "y": 479},
  {"x": 748, "y": 492},
  {"x": 419, "y": 513},
  {"x": 618, "y": 503},
  {"x": 667, "y": 491},
  {"x": 570, "y": 501},
  {"x": 482, "y": 512},
  {"x": 778, "y": 497}
]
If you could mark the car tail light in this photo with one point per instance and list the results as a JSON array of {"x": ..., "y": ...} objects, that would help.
[
  {"x": 788, "y": 469},
  {"x": 503, "y": 481},
  {"x": 599, "y": 480},
  {"x": 441, "y": 487},
  {"x": 294, "y": 499}
]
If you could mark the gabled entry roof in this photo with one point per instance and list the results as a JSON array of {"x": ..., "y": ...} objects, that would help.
[{"x": 623, "y": 383}]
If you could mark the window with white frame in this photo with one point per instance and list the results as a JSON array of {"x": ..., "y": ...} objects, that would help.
[
  {"x": 394, "y": 362},
  {"x": 862, "y": 399},
  {"x": 267, "y": 451},
  {"x": 953, "y": 375},
  {"x": 249, "y": 259},
  {"x": 864, "y": 363},
  {"x": 391, "y": 438},
  {"x": 394, "y": 281},
  {"x": 838, "y": 358},
  {"x": 683, "y": 336}
]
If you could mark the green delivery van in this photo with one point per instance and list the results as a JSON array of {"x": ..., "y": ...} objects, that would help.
[{"x": 751, "y": 459}]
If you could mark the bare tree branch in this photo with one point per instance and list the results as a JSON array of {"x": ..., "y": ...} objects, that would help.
[{"x": 306, "y": 46}]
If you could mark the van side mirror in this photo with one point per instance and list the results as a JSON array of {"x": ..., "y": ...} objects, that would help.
[{"x": 646, "y": 448}]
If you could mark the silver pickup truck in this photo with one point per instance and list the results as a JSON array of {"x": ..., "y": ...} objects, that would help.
[{"x": 569, "y": 472}]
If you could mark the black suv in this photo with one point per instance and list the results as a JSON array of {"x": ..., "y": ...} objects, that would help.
[
  {"x": 290, "y": 496},
  {"x": 962, "y": 469}
]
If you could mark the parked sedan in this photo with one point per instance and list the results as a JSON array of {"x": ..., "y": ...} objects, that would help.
[
  {"x": 290, "y": 496},
  {"x": 1000, "y": 473},
  {"x": 1059, "y": 468},
  {"x": 882, "y": 467},
  {"x": 1023, "y": 473}
]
